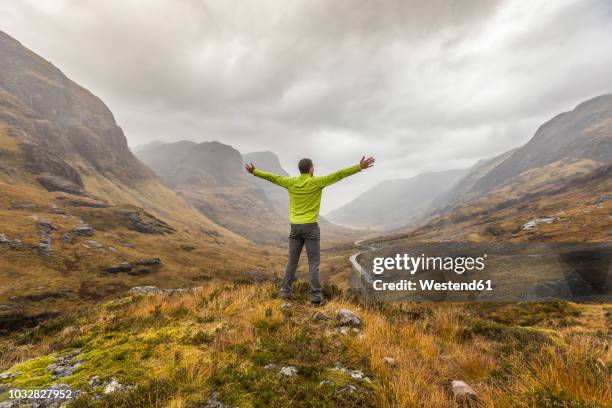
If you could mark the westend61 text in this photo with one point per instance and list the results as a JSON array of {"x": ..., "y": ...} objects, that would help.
[{"x": 431, "y": 285}]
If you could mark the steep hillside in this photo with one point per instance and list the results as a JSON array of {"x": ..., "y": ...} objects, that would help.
[
  {"x": 269, "y": 162},
  {"x": 394, "y": 203},
  {"x": 585, "y": 133},
  {"x": 461, "y": 190},
  {"x": 557, "y": 187},
  {"x": 211, "y": 177},
  {"x": 81, "y": 218}
]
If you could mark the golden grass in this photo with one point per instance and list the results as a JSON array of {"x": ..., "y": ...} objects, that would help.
[{"x": 220, "y": 336}]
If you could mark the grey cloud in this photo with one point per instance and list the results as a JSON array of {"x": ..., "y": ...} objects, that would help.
[{"x": 421, "y": 85}]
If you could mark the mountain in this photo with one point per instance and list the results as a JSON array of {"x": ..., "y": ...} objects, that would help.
[
  {"x": 211, "y": 176},
  {"x": 394, "y": 203},
  {"x": 81, "y": 218},
  {"x": 270, "y": 163},
  {"x": 461, "y": 189},
  {"x": 556, "y": 187},
  {"x": 584, "y": 133}
]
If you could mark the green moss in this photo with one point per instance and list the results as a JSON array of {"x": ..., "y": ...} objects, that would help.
[{"x": 33, "y": 372}]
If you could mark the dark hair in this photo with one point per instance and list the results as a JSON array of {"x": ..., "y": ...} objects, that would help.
[{"x": 304, "y": 165}]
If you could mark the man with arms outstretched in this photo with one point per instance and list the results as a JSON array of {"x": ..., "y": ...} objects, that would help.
[{"x": 304, "y": 203}]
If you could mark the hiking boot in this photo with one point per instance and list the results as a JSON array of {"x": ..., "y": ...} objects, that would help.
[{"x": 318, "y": 303}]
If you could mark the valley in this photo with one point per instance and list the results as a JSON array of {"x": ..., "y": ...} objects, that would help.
[{"x": 149, "y": 278}]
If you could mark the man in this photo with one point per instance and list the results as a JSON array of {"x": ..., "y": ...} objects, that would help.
[{"x": 304, "y": 202}]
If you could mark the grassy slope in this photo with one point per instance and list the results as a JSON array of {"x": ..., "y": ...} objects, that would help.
[
  {"x": 73, "y": 273},
  {"x": 178, "y": 349},
  {"x": 564, "y": 190}
]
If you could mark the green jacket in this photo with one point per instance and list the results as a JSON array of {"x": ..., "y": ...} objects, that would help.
[{"x": 305, "y": 191}]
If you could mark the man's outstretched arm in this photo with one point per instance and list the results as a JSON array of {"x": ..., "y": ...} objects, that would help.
[
  {"x": 332, "y": 178},
  {"x": 273, "y": 178}
]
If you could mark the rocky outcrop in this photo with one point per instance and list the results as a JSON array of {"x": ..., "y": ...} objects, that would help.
[
  {"x": 462, "y": 392},
  {"x": 346, "y": 317}
]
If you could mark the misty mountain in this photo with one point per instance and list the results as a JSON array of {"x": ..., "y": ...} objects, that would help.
[
  {"x": 269, "y": 162},
  {"x": 211, "y": 177},
  {"x": 562, "y": 175},
  {"x": 64, "y": 131},
  {"x": 461, "y": 189},
  {"x": 58, "y": 136},
  {"x": 393, "y": 203},
  {"x": 584, "y": 133}
]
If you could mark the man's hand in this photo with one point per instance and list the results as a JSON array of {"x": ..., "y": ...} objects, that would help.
[
  {"x": 366, "y": 163},
  {"x": 250, "y": 168}
]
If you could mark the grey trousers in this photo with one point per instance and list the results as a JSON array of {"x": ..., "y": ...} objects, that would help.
[{"x": 302, "y": 235}]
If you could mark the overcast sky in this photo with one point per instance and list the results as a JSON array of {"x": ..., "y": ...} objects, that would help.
[{"x": 421, "y": 85}]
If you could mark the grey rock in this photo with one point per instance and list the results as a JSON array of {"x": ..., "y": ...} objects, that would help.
[
  {"x": 355, "y": 374},
  {"x": 45, "y": 249},
  {"x": 343, "y": 330},
  {"x": 288, "y": 371},
  {"x": 67, "y": 238},
  {"x": 350, "y": 388},
  {"x": 22, "y": 206},
  {"x": 145, "y": 290},
  {"x": 319, "y": 317},
  {"x": 348, "y": 318},
  {"x": 84, "y": 229},
  {"x": 93, "y": 243},
  {"x": 537, "y": 221},
  {"x": 461, "y": 391},
  {"x": 4, "y": 240},
  {"x": 187, "y": 247},
  {"x": 17, "y": 244},
  {"x": 113, "y": 386},
  {"x": 52, "y": 182},
  {"x": 270, "y": 366},
  {"x": 149, "y": 262},
  {"x": 64, "y": 366},
  {"x": 182, "y": 290},
  {"x": 95, "y": 381},
  {"x": 213, "y": 402},
  {"x": 56, "y": 210},
  {"x": 390, "y": 361},
  {"x": 326, "y": 382},
  {"x": 122, "y": 267},
  {"x": 9, "y": 375}
]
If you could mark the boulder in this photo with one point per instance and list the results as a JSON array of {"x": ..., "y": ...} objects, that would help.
[
  {"x": 535, "y": 222},
  {"x": 145, "y": 290},
  {"x": 149, "y": 262},
  {"x": 122, "y": 267},
  {"x": 348, "y": 318},
  {"x": 52, "y": 182},
  {"x": 288, "y": 371},
  {"x": 9, "y": 375},
  {"x": 213, "y": 402},
  {"x": 319, "y": 317},
  {"x": 83, "y": 229},
  {"x": 113, "y": 386},
  {"x": 461, "y": 391}
]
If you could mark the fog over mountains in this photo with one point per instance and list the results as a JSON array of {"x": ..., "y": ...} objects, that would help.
[
  {"x": 211, "y": 177},
  {"x": 567, "y": 146}
]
